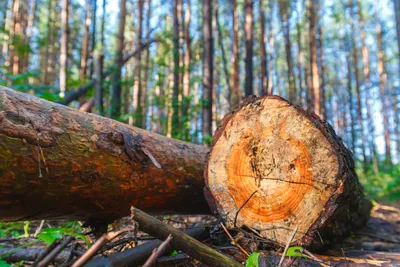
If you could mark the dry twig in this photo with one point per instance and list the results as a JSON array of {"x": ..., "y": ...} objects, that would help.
[
  {"x": 96, "y": 246},
  {"x": 287, "y": 245},
  {"x": 157, "y": 252},
  {"x": 233, "y": 242}
]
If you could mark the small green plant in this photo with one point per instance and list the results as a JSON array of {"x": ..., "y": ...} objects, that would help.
[
  {"x": 295, "y": 251},
  {"x": 252, "y": 260}
]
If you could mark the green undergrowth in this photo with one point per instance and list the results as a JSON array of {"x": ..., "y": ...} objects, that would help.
[{"x": 382, "y": 183}]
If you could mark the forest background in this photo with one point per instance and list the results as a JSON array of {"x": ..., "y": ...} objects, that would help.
[{"x": 177, "y": 67}]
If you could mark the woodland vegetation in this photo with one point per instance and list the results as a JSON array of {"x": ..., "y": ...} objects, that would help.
[
  {"x": 177, "y": 67},
  {"x": 187, "y": 70}
]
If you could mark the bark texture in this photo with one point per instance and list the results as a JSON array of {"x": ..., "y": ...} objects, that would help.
[
  {"x": 274, "y": 167},
  {"x": 57, "y": 162}
]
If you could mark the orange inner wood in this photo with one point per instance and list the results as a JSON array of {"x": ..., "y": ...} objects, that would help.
[{"x": 276, "y": 199}]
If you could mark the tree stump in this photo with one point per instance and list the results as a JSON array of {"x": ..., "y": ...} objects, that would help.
[{"x": 274, "y": 167}]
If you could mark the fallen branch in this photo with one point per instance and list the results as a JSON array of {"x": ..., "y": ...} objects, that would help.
[
  {"x": 138, "y": 255},
  {"x": 181, "y": 241},
  {"x": 158, "y": 252},
  {"x": 98, "y": 245},
  {"x": 50, "y": 257}
]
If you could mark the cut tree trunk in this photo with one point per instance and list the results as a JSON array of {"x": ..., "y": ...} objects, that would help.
[
  {"x": 58, "y": 162},
  {"x": 274, "y": 167}
]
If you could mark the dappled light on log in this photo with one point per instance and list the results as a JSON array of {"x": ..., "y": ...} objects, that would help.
[{"x": 274, "y": 167}]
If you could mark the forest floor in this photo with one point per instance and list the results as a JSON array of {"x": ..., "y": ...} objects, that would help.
[{"x": 377, "y": 244}]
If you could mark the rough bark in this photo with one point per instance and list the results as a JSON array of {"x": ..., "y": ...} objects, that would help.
[
  {"x": 274, "y": 166},
  {"x": 248, "y": 32},
  {"x": 57, "y": 162},
  {"x": 208, "y": 59}
]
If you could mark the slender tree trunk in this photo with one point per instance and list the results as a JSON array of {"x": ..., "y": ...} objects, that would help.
[
  {"x": 263, "y": 53},
  {"x": 322, "y": 72},
  {"x": 352, "y": 138},
  {"x": 138, "y": 69},
  {"x": 300, "y": 60},
  {"x": 248, "y": 31},
  {"x": 93, "y": 39},
  {"x": 397, "y": 15},
  {"x": 358, "y": 84},
  {"x": 99, "y": 66},
  {"x": 115, "y": 105},
  {"x": 284, "y": 10},
  {"x": 187, "y": 62},
  {"x": 367, "y": 86},
  {"x": 208, "y": 60},
  {"x": 382, "y": 89},
  {"x": 18, "y": 35},
  {"x": 146, "y": 67},
  {"x": 271, "y": 50},
  {"x": 315, "y": 86},
  {"x": 175, "y": 96},
  {"x": 85, "y": 40},
  {"x": 235, "y": 79},
  {"x": 64, "y": 48},
  {"x": 223, "y": 54},
  {"x": 29, "y": 29}
]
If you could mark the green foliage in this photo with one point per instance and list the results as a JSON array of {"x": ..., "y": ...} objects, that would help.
[
  {"x": 381, "y": 185},
  {"x": 49, "y": 235},
  {"x": 252, "y": 260},
  {"x": 295, "y": 251},
  {"x": 4, "y": 264},
  {"x": 174, "y": 253}
]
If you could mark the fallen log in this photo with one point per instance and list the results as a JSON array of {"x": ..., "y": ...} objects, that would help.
[
  {"x": 58, "y": 162},
  {"x": 273, "y": 167}
]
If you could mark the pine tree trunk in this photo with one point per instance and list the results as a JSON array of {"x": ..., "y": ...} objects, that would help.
[
  {"x": 263, "y": 53},
  {"x": 235, "y": 79},
  {"x": 175, "y": 96},
  {"x": 138, "y": 69},
  {"x": 284, "y": 10},
  {"x": 69, "y": 164},
  {"x": 248, "y": 32},
  {"x": 85, "y": 40},
  {"x": 315, "y": 90},
  {"x": 116, "y": 92},
  {"x": 187, "y": 62},
  {"x": 274, "y": 167},
  {"x": 358, "y": 85},
  {"x": 64, "y": 48},
  {"x": 382, "y": 91},
  {"x": 208, "y": 59}
]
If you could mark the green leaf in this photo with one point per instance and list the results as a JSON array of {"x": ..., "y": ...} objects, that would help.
[
  {"x": 174, "y": 253},
  {"x": 49, "y": 235},
  {"x": 4, "y": 264},
  {"x": 295, "y": 251},
  {"x": 252, "y": 260}
]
